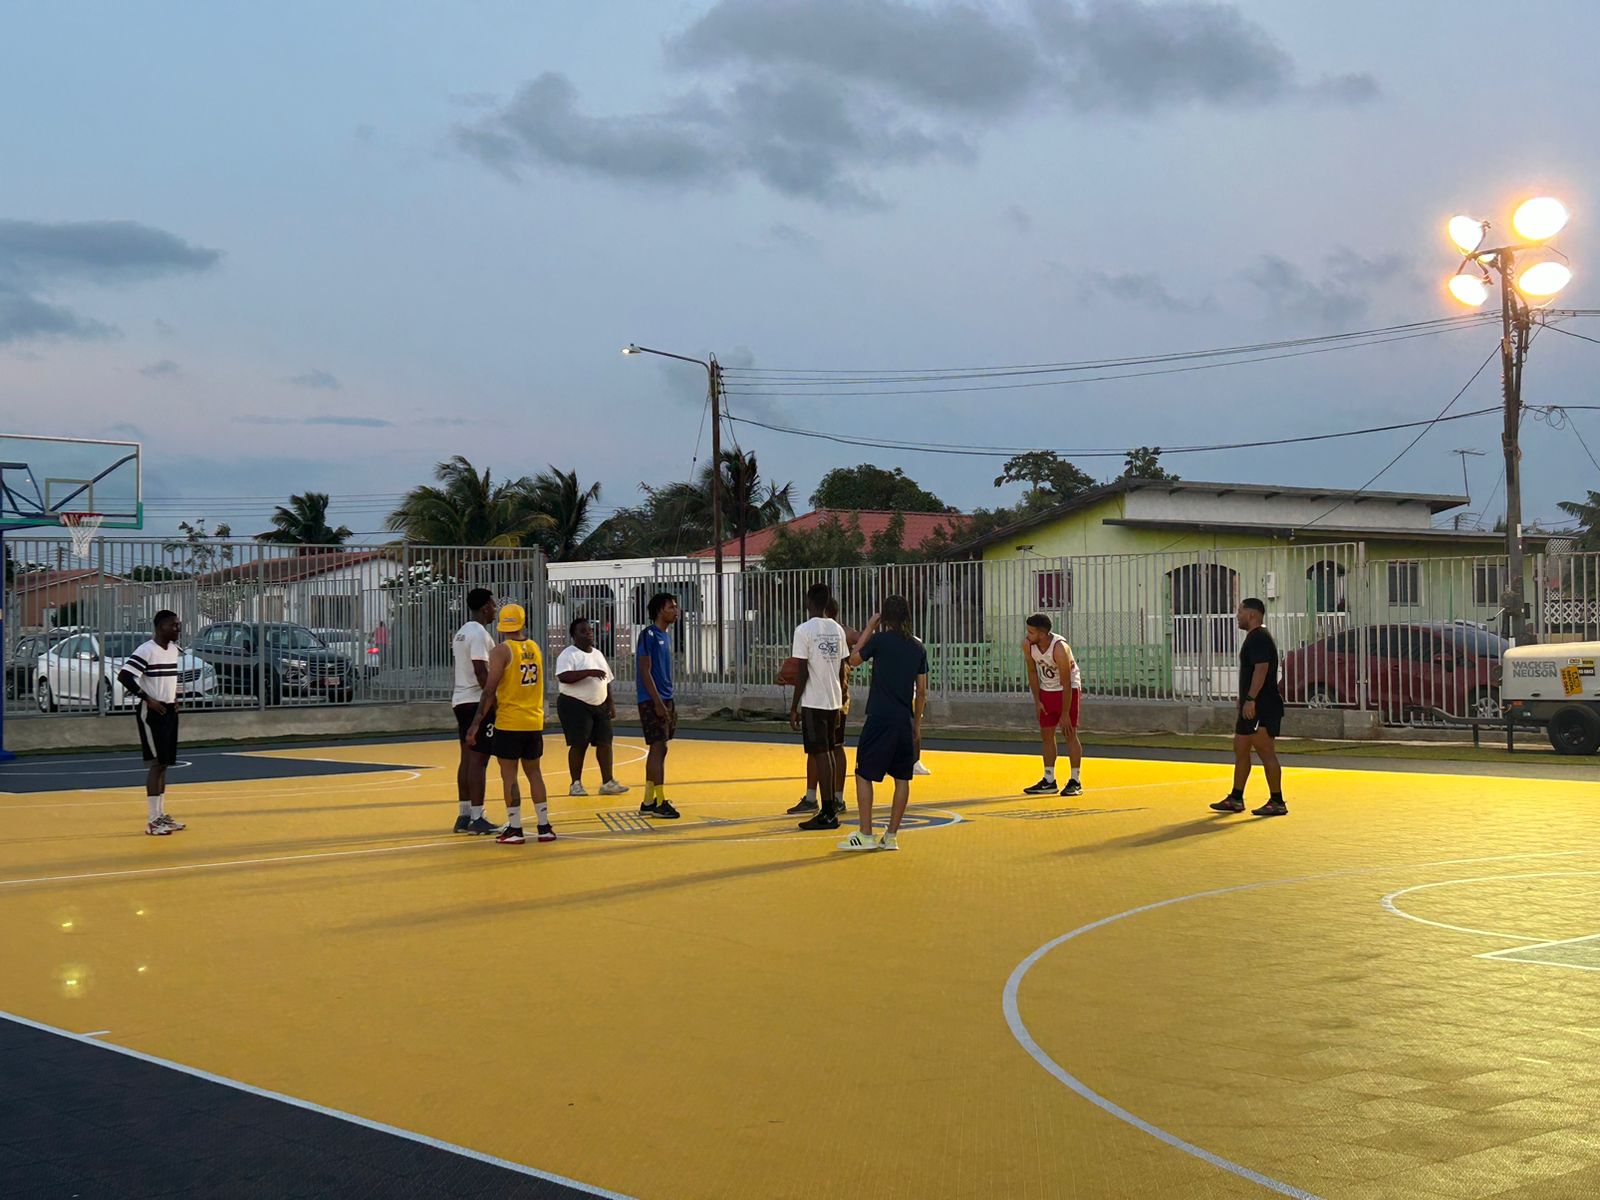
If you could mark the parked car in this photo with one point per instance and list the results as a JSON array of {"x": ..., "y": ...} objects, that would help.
[
  {"x": 81, "y": 671},
  {"x": 1427, "y": 667},
  {"x": 22, "y": 664},
  {"x": 283, "y": 659},
  {"x": 361, "y": 651}
]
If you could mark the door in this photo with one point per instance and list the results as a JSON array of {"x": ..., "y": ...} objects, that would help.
[{"x": 80, "y": 667}]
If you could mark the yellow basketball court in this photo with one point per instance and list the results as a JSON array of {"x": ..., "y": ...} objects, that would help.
[{"x": 1393, "y": 992}]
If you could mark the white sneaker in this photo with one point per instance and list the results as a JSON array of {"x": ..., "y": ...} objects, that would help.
[
  {"x": 889, "y": 841},
  {"x": 158, "y": 828},
  {"x": 171, "y": 823},
  {"x": 612, "y": 788},
  {"x": 577, "y": 790},
  {"x": 859, "y": 841},
  {"x": 919, "y": 769}
]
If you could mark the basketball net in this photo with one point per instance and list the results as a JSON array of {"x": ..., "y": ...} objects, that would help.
[{"x": 82, "y": 527}]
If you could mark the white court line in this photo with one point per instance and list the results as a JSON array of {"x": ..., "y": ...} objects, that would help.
[
  {"x": 1019, "y": 1030},
  {"x": 97, "y": 1033},
  {"x": 310, "y": 1106},
  {"x": 136, "y": 769},
  {"x": 1388, "y": 903},
  {"x": 1519, "y": 954}
]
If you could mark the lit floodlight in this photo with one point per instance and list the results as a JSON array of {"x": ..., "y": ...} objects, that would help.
[
  {"x": 1466, "y": 232},
  {"x": 1471, "y": 290},
  {"x": 1539, "y": 219}
]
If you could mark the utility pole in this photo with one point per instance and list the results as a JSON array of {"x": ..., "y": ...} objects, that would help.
[
  {"x": 1466, "y": 486},
  {"x": 1515, "y": 323}
]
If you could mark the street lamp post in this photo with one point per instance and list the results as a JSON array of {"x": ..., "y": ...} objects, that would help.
[
  {"x": 1522, "y": 291},
  {"x": 714, "y": 396}
]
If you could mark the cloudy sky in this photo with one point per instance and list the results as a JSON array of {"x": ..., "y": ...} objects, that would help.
[{"x": 321, "y": 246}]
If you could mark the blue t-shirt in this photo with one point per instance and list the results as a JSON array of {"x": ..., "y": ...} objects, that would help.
[
  {"x": 896, "y": 662},
  {"x": 658, "y": 646}
]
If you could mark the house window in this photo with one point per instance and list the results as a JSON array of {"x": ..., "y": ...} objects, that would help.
[
  {"x": 1488, "y": 584},
  {"x": 334, "y": 612},
  {"x": 1405, "y": 584},
  {"x": 1052, "y": 590}
]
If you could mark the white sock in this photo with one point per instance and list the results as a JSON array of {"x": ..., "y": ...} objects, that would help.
[
  {"x": 1050, "y": 774},
  {"x": 161, "y": 804},
  {"x": 475, "y": 811},
  {"x": 811, "y": 795},
  {"x": 1075, "y": 775},
  {"x": 514, "y": 817},
  {"x": 154, "y": 803},
  {"x": 541, "y": 813},
  {"x": 465, "y": 809}
]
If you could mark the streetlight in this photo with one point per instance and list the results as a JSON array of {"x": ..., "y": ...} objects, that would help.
[
  {"x": 1535, "y": 222},
  {"x": 714, "y": 393}
]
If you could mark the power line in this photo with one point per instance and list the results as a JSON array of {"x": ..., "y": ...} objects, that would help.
[
  {"x": 1582, "y": 337},
  {"x": 1096, "y": 452},
  {"x": 1038, "y": 383}
]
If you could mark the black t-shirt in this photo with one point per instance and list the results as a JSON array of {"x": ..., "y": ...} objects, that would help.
[
  {"x": 896, "y": 663},
  {"x": 1259, "y": 648}
]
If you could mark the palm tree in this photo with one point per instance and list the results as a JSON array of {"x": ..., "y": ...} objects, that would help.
[
  {"x": 556, "y": 494},
  {"x": 469, "y": 509},
  {"x": 748, "y": 503},
  {"x": 1588, "y": 518},
  {"x": 304, "y": 523}
]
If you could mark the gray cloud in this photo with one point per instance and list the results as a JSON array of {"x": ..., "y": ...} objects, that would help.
[
  {"x": 316, "y": 379},
  {"x": 157, "y": 370},
  {"x": 325, "y": 419},
  {"x": 793, "y": 238},
  {"x": 37, "y": 257},
  {"x": 1340, "y": 291},
  {"x": 1146, "y": 289},
  {"x": 811, "y": 97},
  {"x": 1019, "y": 218}
]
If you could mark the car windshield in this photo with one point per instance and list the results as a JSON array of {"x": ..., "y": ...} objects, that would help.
[
  {"x": 1479, "y": 642},
  {"x": 291, "y": 637},
  {"x": 334, "y": 635},
  {"x": 121, "y": 645}
]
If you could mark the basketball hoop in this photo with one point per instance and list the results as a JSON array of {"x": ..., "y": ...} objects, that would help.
[{"x": 82, "y": 526}]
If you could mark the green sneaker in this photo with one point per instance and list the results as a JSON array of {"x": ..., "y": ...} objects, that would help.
[
  {"x": 889, "y": 841},
  {"x": 859, "y": 841}
]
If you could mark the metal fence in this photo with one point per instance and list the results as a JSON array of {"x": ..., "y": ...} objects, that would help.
[
  {"x": 1413, "y": 639},
  {"x": 263, "y": 626}
]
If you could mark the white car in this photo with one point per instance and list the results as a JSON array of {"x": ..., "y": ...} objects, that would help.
[{"x": 81, "y": 672}]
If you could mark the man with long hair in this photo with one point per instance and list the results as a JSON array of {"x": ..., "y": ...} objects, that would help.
[{"x": 892, "y": 731}]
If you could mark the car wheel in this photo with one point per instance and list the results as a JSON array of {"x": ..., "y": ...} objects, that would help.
[
  {"x": 1321, "y": 696},
  {"x": 1574, "y": 730},
  {"x": 45, "y": 697},
  {"x": 1484, "y": 703}
]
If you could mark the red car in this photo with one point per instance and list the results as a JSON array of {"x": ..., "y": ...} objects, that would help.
[{"x": 1423, "y": 668}]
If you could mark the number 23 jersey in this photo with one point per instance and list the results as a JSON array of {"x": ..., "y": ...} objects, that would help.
[{"x": 519, "y": 700}]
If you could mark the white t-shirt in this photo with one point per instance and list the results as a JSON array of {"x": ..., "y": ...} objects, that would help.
[
  {"x": 473, "y": 643},
  {"x": 1045, "y": 660},
  {"x": 821, "y": 642},
  {"x": 590, "y": 691},
  {"x": 155, "y": 669}
]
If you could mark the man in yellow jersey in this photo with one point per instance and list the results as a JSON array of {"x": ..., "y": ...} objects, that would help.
[{"x": 515, "y": 691}]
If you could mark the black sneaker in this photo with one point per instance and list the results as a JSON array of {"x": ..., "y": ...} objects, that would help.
[
  {"x": 1073, "y": 788},
  {"x": 650, "y": 808},
  {"x": 823, "y": 820},
  {"x": 1272, "y": 808},
  {"x": 546, "y": 833},
  {"x": 805, "y": 806},
  {"x": 463, "y": 825},
  {"x": 1045, "y": 787},
  {"x": 665, "y": 811},
  {"x": 479, "y": 826},
  {"x": 1229, "y": 804}
]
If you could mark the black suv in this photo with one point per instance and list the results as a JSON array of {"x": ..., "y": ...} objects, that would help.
[
  {"x": 296, "y": 661},
  {"x": 22, "y": 665}
]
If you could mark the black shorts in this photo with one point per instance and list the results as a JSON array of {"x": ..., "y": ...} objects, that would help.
[
  {"x": 485, "y": 743},
  {"x": 838, "y": 729},
  {"x": 158, "y": 734},
  {"x": 1268, "y": 717},
  {"x": 886, "y": 748},
  {"x": 583, "y": 724},
  {"x": 820, "y": 729},
  {"x": 657, "y": 730},
  {"x": 523, "y": 744}
]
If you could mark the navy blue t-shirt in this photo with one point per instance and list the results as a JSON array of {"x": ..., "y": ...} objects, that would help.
[
  {"x": 658, "y": 646},
  {"x": 896, "y": 662}
]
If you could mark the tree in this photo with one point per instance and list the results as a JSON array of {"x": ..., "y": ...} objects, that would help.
[
  {"x": 1142, "y": 463},
  {"x": 1587, "y": 514},
  {"x": 867, "y": 488},
  {"x": 304, "y": 523},
  {"x": 1044, "y": 471},
  {"x": 754, "y": 505},
  {"x": 557, "y": 495},
  {"x": 202, "y": 551},
  {"x": 469, "y": 509},
  {"x": 829, "y": 543}
]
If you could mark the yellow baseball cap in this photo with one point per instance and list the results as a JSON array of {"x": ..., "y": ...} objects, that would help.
[{"x": 512, "y": 618}]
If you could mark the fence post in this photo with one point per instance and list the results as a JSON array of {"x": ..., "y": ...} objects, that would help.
[{"x": 1363, "y": 616}]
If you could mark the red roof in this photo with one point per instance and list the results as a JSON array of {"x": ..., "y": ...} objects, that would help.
[
  {"x": 919, "y": 527},
  {"x": 29, "y": 581}
]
